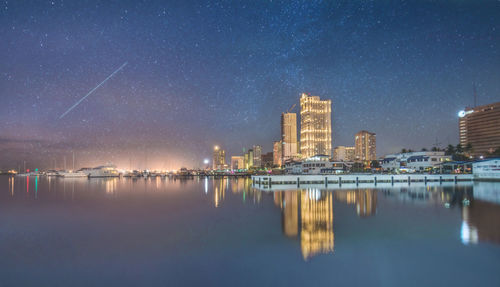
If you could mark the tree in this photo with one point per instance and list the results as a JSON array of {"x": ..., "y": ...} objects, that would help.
[
  {"x": 468, "y": 150},
  {"x": 459, "y": 149},
  {"x": 450, "y": 150},
  {"x": 496, "y": 152},
  {"x": 424, "y": 149},
  {"x": 403, "y": 151},
  {"x": 435, "y": 148},
  {"x": 410, "y": 150},
  {"x": 374, "y": 164}
]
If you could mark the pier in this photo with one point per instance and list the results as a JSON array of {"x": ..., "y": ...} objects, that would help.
[{"x": 334, "y": 181}]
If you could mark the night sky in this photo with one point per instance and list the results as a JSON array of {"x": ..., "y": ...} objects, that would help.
[{"x": 221, "y": 72}]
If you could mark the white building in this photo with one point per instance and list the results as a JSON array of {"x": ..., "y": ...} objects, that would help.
[
  {"x": 316, "y": 165},
  {"x": 413, "y": 161},
  {"x": 488, "y": 169}
]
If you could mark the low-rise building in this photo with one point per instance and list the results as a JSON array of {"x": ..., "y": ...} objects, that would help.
[
  {"x": 488, "y": 169},
  {"x": 414, "y": 161},
  {"x": 319, "y": 164}
]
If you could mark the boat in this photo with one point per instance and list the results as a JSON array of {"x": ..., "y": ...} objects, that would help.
[
  {"x": 78, "y": 173},
  {"x": 104, "y": 171},
  {"x": 52, "y": 173}
]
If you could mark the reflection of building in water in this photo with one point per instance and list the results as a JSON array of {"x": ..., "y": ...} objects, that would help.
[
  {"x": 316, "y": 214},
  {"x": 219, "y": 191},
  {"x": 365, "y": 200},
  {"x": 312, "y": 210},
  {"x": 480, "y": 222},
  {"x": 290, "y": 214}
]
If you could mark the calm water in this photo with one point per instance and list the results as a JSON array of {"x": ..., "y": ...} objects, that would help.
[{"x": 162, "y": 232}]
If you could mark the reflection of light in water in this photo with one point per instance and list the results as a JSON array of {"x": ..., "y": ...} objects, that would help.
[
  {"x": 468, "y": 233},
  {"x": 110, "y": 185},
  {"x": 11, "y": 184},
  {"x": 28, "y": 184},
  {"x": 206, "y": 185},
  {"x": 36, "y": 187},
  {"x": 314, "y": 194}
]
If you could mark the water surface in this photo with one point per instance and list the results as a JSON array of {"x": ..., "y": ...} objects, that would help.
[{"x": 224, "y": 232}]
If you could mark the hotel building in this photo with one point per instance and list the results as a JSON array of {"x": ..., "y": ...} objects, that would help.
[
  {"x": 365, "y": 146},
  {"x": 289, "y": 135},
  {"x": 480, "y": 128},
  {"x": 315, "y": 126}
]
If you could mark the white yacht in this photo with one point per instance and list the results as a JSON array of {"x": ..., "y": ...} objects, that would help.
[
  {"x": 78, "y": 173},
  {"x": 104, "y": 171}
]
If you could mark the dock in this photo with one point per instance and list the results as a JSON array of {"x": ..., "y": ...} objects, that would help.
[{"x": 333, "y": 181}]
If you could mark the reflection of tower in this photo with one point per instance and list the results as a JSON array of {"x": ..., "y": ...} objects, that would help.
[
  {"x": 316, "y": 213},
  {"x": 480, "y": 222},
  {"x": 366, "y": 204},
  {"x": 290, "y": 215},
  {"x": 365, "y": 200},
  {"x": 219, "y": 191}
]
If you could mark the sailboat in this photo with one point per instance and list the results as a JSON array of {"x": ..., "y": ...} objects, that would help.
[{"x": 72, "y": 173}]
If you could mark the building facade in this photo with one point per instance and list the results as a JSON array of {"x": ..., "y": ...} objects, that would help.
[
  {"x": 277, "y": 153},
  {"x": 315, "y": 165},
  {"x": 248, "y": 158},
  {"x": 414, "y": 161},
  {"x": 257, "y": 156},
  {"x": 267, "y": 160},
  {"x": 289, "y": 136},
  {"x": 365, "y": 146},
  {"x": 219, "y": 158},
  {"x": 237, "y": 162},
  {"x": 344, "y": 153},
  {"x": 315, "y": 126},
  {"x": 479, "y": 127}
]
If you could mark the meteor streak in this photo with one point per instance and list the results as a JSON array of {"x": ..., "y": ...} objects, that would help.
[{"x": 89, "y": 93}]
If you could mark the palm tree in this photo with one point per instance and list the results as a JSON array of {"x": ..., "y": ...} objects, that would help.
[{"x": 450, "y": 150}]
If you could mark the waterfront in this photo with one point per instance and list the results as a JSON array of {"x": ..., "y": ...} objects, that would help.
[{"x": 129, "y": 232}]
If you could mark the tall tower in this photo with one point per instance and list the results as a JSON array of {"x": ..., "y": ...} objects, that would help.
[
  {"x": 257, "y": 156},
  {"x": 315, "y": 126},
  {"x": 365, "y": 146},
  {"x": 219, "y": 158},
  {"x": 289, "y": 135}
]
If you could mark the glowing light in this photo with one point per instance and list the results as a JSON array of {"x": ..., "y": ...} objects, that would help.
[{"x": 206, "y": 161}]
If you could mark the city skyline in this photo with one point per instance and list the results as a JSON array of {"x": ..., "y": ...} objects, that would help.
[{"x": 203, "y": 74}]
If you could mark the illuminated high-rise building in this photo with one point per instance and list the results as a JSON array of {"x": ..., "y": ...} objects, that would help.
[
  {"x": 365, "y": 145},
  {"x": 315, "y": 126},
  {"x": 237, "y": 162},
  {"x": 344, "y": 153},
  {"x": 219, "y": 158},
  {"x": 248, "y": 157},
  {"x": 479, "y": 127},
  {"x": 257, "y": 156},
  {"x": 289, "y": 135},
  {"x": 277, "y": 153}
]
